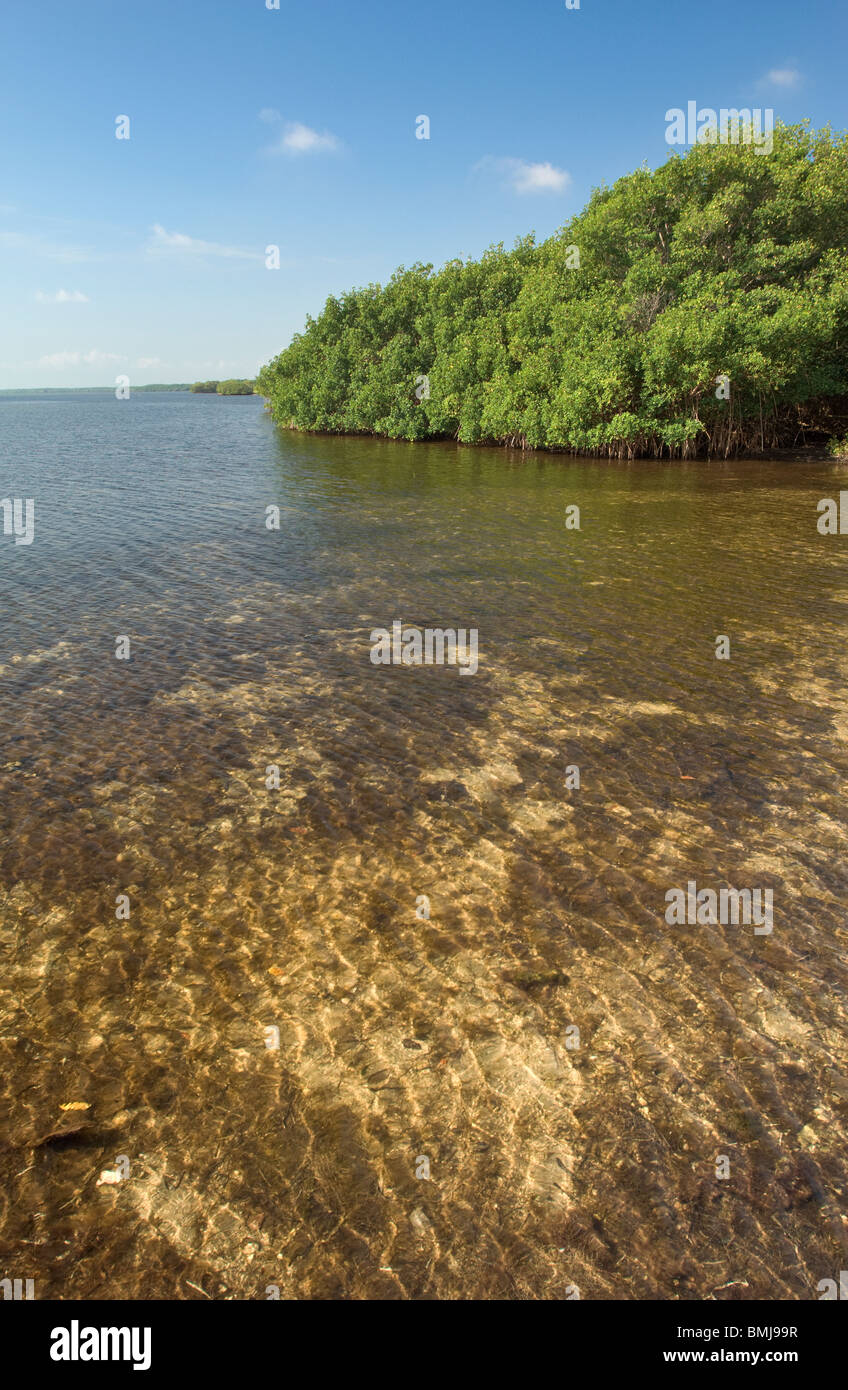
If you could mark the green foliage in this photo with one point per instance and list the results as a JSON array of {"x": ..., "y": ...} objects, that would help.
[
  {"x": 722, "y": 262},
  {"x": 175, "y": 386},
  {"x": 235, "y": 388}
]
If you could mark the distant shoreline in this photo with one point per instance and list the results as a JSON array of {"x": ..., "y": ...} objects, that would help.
[
  {"x": 84, "y": 390},
  {"x": 185, "y": 387}
]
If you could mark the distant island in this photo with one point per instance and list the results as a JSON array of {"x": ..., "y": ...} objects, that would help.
[
  {"x": 700, "y": 309},
  {"x": 220, "y": 388},
  {"x": 86, "y": 390},
  {"x": 224, "y": 388}
]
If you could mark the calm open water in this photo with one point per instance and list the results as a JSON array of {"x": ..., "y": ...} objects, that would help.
[{"x": 553, "y": 1166}]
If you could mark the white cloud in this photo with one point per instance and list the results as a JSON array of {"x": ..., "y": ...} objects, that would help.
[
  {"x": 523, "y": 177},
  {"x": 162, "y": 241},
  {"x": 94, "y": 358},
  {"x": 539, "y": 178},
  {"x": 59, "y": 359},
  {"x": 301, "y": 139},
  {"x": 781, "y": 77},
  {"x": 269, "y": 114},
  {"x": 144, "y": 362},
  {"x": 61, "y": 297}
]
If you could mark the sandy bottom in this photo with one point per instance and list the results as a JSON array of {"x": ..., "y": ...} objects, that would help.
[{"x": 567, "y": 1068}]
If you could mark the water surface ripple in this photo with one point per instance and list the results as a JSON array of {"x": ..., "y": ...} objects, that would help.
[{"x": 295, "y": 908}]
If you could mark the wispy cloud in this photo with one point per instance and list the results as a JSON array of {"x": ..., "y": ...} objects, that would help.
[
  {"x": 34, "y": 245},
  {"x": 781, "y": 77},
  {"x": 61, "y": 297},
  {"x": 144, "y": 362},
  {"x": 162, "y": 241},
  {"x": 269, "y": 114},
  {"x": 93, "y": 358},
  {"x": 524, "y": 177},
  {"x": 302, "y": 139}
]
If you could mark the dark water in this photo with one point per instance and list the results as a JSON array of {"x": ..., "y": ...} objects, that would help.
[{"x": 401, "y": 1038}]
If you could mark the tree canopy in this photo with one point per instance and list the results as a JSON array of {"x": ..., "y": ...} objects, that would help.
[
  {"x": 702, "y": 306},
  {"x": 224, "y": 388},
  {"x": 235, "y": 388}
]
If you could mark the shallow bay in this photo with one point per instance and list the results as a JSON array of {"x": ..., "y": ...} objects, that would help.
[{"x": 551, "y": 1166}]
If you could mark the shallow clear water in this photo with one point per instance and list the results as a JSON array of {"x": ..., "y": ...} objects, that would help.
[{"x": 551, "y": 1166}]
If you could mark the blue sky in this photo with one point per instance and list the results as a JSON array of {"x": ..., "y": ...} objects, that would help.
[{"x": 295, "y": 127}]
